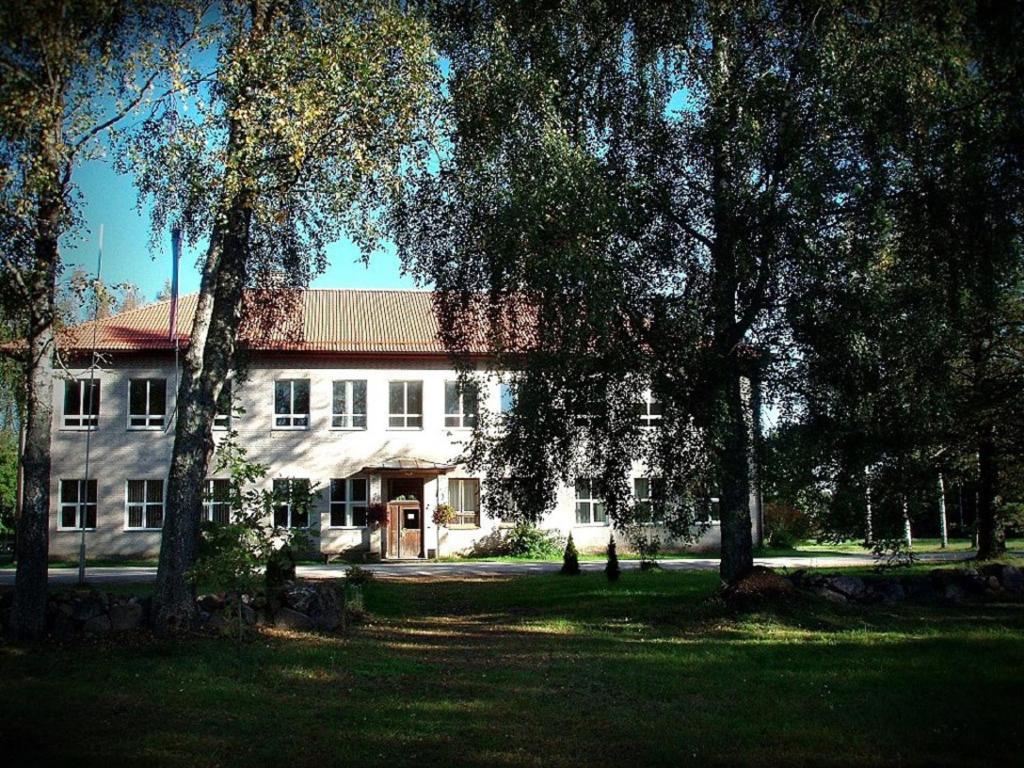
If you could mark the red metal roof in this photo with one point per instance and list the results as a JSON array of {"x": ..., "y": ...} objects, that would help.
[{"x": 314, "y": 320}]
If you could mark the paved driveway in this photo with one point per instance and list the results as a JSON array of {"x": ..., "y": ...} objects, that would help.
[{"x": 427, "y": 570}]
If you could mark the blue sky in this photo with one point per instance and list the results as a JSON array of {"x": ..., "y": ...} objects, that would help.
[{"x": 109, "y": 198}]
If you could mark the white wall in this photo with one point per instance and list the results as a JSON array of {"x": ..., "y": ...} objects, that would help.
[{"x": 318, "y": 453}]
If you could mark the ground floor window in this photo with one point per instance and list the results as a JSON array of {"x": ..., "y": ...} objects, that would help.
[
  {"x": 643, "y": 491},
  {"x": 144, "y": 504},
  {"x": 464, "y": 496},
  {"x": 711, "y": 510},
  {"x": 77, "y": 503},
  {"x": 291, "y": 503},
  {"x": 217, "y": 501},
  {"x": 589, "y": 506},
  {"x": 348, "y": 502}
]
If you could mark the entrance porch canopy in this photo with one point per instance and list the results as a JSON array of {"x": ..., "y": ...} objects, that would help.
[{"x": 404, "y": 465}]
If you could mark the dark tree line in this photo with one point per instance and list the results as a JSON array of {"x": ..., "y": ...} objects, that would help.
[{"x": 687, "y": 196}]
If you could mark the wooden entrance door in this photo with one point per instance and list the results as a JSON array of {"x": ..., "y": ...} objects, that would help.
[
  {"x": 405, "y": 529},
  {"x": 405, "y": 516}
]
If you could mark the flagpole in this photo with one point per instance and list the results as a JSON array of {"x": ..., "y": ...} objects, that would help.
[{"x": 83, "y": 508}]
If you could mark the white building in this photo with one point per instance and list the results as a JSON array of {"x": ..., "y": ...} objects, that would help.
[{"x": 359, "y": 399}]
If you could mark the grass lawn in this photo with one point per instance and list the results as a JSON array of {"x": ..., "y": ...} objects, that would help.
[
  {"x": 540, "y": 670},
  {"x": 807, "y": 549},
  {"x": 920, "y": 546}
]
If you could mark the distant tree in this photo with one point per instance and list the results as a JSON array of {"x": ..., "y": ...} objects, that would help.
[
  {"x": 104, "y": 300},
  {"x": 910, "y": 336},
  {"x": 71, "y": 73},
  {"x": 131, "y": 298},
  {"x": 164, "y": 294},
  {"x": 304, "y": 130}
]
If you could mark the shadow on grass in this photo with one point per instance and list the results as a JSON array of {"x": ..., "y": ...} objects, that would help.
[{"x": 542, "y": 670}]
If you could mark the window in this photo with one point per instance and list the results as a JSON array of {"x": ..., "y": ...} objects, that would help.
[
  {"x": 147, "y": 403},
  {"x": 348, "y": 503},
  {"x": 81, "y": 403},
  {"x": 349, "y": 409},
  {"x": 291, "y": 508},
  {"x": 508, "y": 398},
  {"x": 649, "y": 410},
  {"x": 217, "y": 501},
  {"x": 464, "y": 496},
  {"x": 460, "y": 404},
  {"x": 291, "y": 404},
  {"x": 405, "y": 404},
  {"x": 144, "y": 503},
  {"x": 642, "y": 492},
  {"x": 77, "y": 502},
  {"x": 711, "y": 510},
  {"x": 587, "y": 406},
  {"x": 589, "y": 508},
  {"x": 222, "y": 414},
  {"x": 642, "y": 497}
]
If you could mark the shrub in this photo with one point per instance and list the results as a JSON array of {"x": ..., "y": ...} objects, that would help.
[
  {"x": 647, "y": 546},
  {"x": 241, "y": 556},
  {"x": 357, "y": 576},
  {"x": 527, "y": 540},
  {"x": 377, "y": 515},
  {"x": 785, "y": 526},
  {"x": 280, "y": 567},
  {"x": 570, "y": 559},
  {"x": 611, "y": 569}
]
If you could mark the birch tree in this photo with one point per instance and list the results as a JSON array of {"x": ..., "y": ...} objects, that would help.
[
  {"x": 315, "y": 113},
  {"x": 632, "y": 186},
  {"x": 70, "y": 72}
]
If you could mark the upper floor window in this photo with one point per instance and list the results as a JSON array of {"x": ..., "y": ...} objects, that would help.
[
  {"x": 650, "y": 410},
  {"x": 460, "y": 404},
  {"x": 405, "y": 404},
  {"x": 508, "y": 398},
  {"x": 464, "y": 496},
  {"x": 291, "y": 403},
  {"x": 589, "y": 506},
  {"x": 349, "y": 409},
  {"x": 77, "y": 504},
  {"x": 147, "y": 403},
  {"x": 222, "y": 414},
  {"x": 348, "y": 503},
  {"x": 587, "y": 405},
  {"x": 144, "y": 504},
  {"x": 217, "y": 501},
  {"x": 291, "y": 508},
  {"x": 711, "y": 510},
  {"x": 81, "y": 403}
]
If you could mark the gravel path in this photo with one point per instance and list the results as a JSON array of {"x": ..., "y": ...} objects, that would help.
[{"x": 421, "y": 570}]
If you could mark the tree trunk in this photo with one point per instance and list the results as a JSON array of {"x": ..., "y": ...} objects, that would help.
[
  {"x": 869, "y": 532},
  {"x": 734, "y": 500},
  {"x": 28, "y": 616},
  {"x": 908, "y": 534},
  {"x": 206, "y": 366},
  {"x": 991, "y": 539},
  {"x": 943, "y": 526},
  {"x": 730, "y": 428}
]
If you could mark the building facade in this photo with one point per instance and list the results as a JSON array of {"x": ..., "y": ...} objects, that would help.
[{"x": 359, "y": 401}]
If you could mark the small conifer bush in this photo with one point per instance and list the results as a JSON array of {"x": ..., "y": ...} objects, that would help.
[
  {"x": 611, "y": 569},
  {"x": 570, "y": 559}
]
